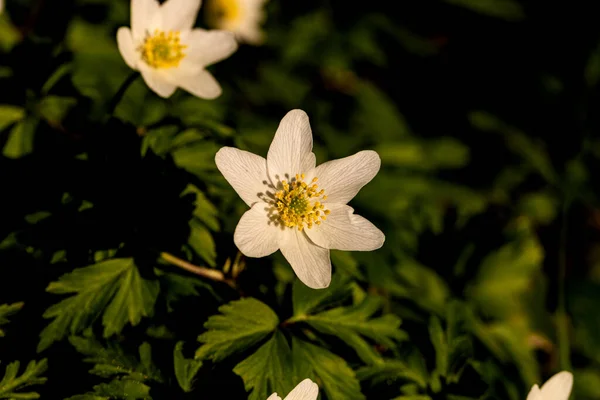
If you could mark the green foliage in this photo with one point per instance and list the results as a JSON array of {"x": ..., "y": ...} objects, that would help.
[
  {"x": 242, "y": 324},
  {"x": 12, "y": 383},
  {"x": 113, "y": 289},
  {"x": 7, "y": 310},
  {"x": 185, "y": 369}
]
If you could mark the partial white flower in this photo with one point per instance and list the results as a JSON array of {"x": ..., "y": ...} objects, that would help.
[
  {"x": 305, "y": 390},
  {"x": 296, "y": 207},
  {"x": 1, "y": 6},
  {"x": 242, "y": 17},
  {"x": 556, "y": 388},
  {"x": 162, "y": 45}
]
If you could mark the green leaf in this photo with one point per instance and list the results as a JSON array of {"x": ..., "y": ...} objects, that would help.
[
  {"x": 202, "y": 242},
  {"x": 11, "y": 383},
  {"x": 112, "y": 360},
  {"x": 6, "y": 310},
  {"x": 269, "y": 369},
  {"x": 242, "y": 324},
  {"x": 10, "y": 114},
  {"x": 438, "y": 339},
  {"x": 424, "y": 155},
  {"x": 115, "y": 284},
  {"x": 350, "y": 324},
  {"x": 592, "y": 68},
  {"x": 505, "y": 275},
  {"x": 185, "y": 369},
  {"x": 54, "y": 108},
  {"x": 174, "y": 287},
  {"x": 117, "y": 389},
  {"x": 506, "y": 9},
  {"x": 307, "y": 300},
  {"x": 20, "y": 142},
  {"x": 205, "y": 211},
  {"x": 335, "y": 377},
  {"x": 391, "y": 370}
]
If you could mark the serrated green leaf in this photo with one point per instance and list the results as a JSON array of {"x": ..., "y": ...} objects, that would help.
[
  {"x": 7, "y": 310},
  {"x": 205, "y": 211},
  {"x": 11, "y": 384},
  {"x": 242, "y": 324},
  {"x": 269, "y": 369},
  {"x": 392, "y": 369},
  {"x": 117, "y": 389},
  {"x": 185, "y": 369},
  {"x": 115, "y": 284},
  {"x": 307, "y": 300},
  {"x": 350, "y": 324},
  {"x": 438, "y": 339},
  {"x": 111, "y": 360},
  {"x": 335, "y": 377}
]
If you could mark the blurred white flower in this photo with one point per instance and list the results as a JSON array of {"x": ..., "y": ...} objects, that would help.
[
  {"x": 1, "y": 6},
  {"x": 296, "y": 207},
  {"x": 556, "y": 388},
  {"x": 162, "y": 45},
  {"x": 305, "y": 390},
  {"x": 242, "y": 17}
]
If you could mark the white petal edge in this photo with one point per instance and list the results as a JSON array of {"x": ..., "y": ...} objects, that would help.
[
  {"x": 290, "y": 147},
  {"x": 534, "y": 393},
  {"x": 344, "y": 230},
  {"x": 274, "y": 396},
  {"x": 200, "y": 83},
  {"x": 142, "y": 12},
  {"x": 246, "y": 173},
  {"x": 156, "y": 81},
  {"x": 127, "y": 48},
  {"x": 208, "y": 47},
  {"x": 256, "y": 235},
  {"x": 310, "y": 262},
  {"x": 179, "y": 15},
  {"x": 305, "y": 390},
  {"x": 558, "y": 387},
  {"x": 342, "y": 179}
]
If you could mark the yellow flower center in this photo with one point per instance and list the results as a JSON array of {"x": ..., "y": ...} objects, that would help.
[
  {"x": 222, "y": 11},
  {"x": 298, "y": 205},
  {"x": 162, "y": 49}
]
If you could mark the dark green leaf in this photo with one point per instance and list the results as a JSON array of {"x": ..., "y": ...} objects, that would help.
[
  {"x": 185, "y": 369},
  {"x": 12, "y": 384}
]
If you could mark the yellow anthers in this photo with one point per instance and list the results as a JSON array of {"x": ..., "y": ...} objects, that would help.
[
  {"x": 223, "y": 11},
  {"x": 298, "y": 205},
  {"x": 162, "y": 49}
]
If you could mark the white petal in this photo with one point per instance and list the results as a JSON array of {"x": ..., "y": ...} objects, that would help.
[
  {"x": 342, "y": 179},
  {"x": 274, "y": 396},
  {"x": 291, "y": 147},
  {"x": 558, "y": 387},
  {"x": 208, "y": 47},
  {"x": 310, "y": 262},
  {"x": 200, "y": 83},
  {"x": 246, "y": 173},
  {"x": 142, "y": 12},
  {"x": 344, "y": 230},
  {"x": 156, "y": 81},
  {"x": 534, "y": 393},
  {"x": 126, "y": 47},
  {"x": 256, "y": 235},
  {"x": 306, "y": 390},
  {"x": 179, "y": 15}
]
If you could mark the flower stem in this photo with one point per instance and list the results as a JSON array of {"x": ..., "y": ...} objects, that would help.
[
  {"x": 116, "y": 99},
  {"x": 204, "y": 272},
  {"x": 564, "y": 348}
]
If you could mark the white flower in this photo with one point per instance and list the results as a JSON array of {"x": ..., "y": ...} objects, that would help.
[
  {"x": 305, "y": 390},
  {"x": 166, "y": 50},
  {"x": 242, "y": 17},
  {"x": 1, "y": 6},
  {"x": 556, "y": 388},
  {"x": 297, "y": 208}
]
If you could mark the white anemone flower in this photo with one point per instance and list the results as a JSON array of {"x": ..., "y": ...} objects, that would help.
[
  {"x": 299, "y": 208},
  {"x": 305, "y": 390},
  {"x": 1, "y": 6},
  {"x": 162, "y": 45},
  {"x": 242, "y": 17},
  {"x": 556, "y": 388}
]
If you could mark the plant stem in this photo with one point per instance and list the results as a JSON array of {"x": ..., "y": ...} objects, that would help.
[
  {"x": 564, "y": 348},
  {"x": 204, "y": 272},
  {"x": 116, "y": 99}
]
